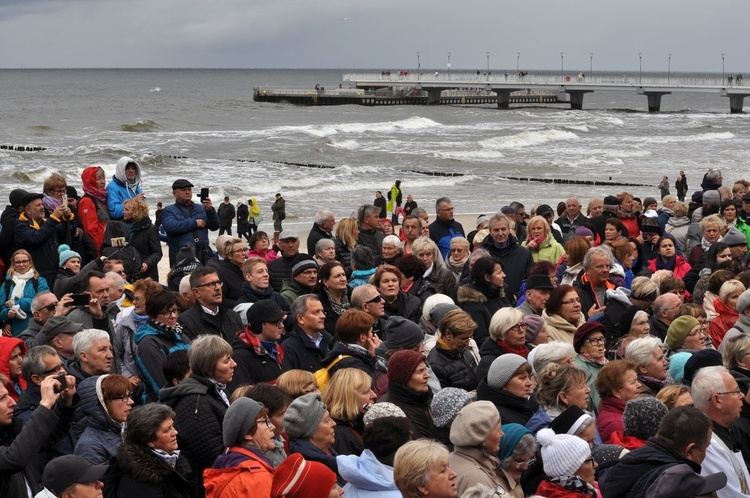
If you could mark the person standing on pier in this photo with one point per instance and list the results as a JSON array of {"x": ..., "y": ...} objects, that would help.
[
  {"x": 395, "y": 198},
  {"x": 279, "y": 214},
  {"x": 380, "y": 202},
  {"x": 681, "y": 185},
  {"x": 226, "y": 216},
  {"x": 664, "y": 186}
]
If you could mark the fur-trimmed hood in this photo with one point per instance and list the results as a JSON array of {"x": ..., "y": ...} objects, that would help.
[
  {"x": 142, "y": 464},
  {"x": 470, "y": 294}
]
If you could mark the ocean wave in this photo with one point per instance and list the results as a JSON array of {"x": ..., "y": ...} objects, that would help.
[
  {"x": 408, "y": 124},
  {"x": 345, "y": 144},
  {"x": 583, "y": 128},
  {"x": 527, "y": 139},
  {"x": 146, "y": 125},
  {"x": 476, "y": 155},
  {"x": 701, "y": 137},
  {"x": 155, "y": 89}
]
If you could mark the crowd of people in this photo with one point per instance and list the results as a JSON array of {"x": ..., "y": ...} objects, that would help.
[{"x": 559, "y": 353}]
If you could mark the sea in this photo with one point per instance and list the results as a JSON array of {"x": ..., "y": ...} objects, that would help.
[{"x": 203, "y": 125}]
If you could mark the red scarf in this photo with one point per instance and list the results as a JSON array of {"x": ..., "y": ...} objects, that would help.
[
  {"x": 520, "y": 350},
  {"x": 252, "y": 340}
]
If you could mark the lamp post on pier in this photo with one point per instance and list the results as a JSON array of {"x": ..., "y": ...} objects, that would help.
[
  {"x": 449, "y": 60},
  {"x": 640, "y": 67},
  {"x": 669, "y": 68},
  {"x": 591, "y": 64},
  {"x": 562, "y": 66},
  {"x": 488, "y": 66},
  {"x": 518, "y": 63},
  {"x": 722, "y": 68}
]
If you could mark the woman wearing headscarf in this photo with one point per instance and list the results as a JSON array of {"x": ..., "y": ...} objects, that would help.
[
  {"x": 12, "y": 351},
  {"x": 92, "y": 208}
]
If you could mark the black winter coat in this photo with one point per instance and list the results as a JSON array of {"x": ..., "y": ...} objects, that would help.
[
  {"x": 199, "y": 417},
  {"x": 254, "y": 364},
  {"x": 145, "y": 239},
  {"x": 69, "y": 282},
  {"x": 349, "y": 437},
  {"x": 316, "y": 233},
  {"x": 311, "y": 452},
  {"x": 301, "y": 353},
  {"x": 233, "y": 279},
  {"x": 512, "y": 408},
  {"x": 136, "y": 471},
  {"x": 372, "y": 239},
  {"x": 481, "y": 306},
  {"x": 355, "y": 359},
  {"x": 489, "y": 351},
  {"x": 7, "y": 235},
  {"x": 343, "y": 255},
  {"x": 415, "y": 405},
  {"x": 453, "y": 368},
  {"x": 406, "y": 306},
  {"x": 42, "y": 244},
  {"x": 195, "y": 322},
  {"x": 281, "y": 268},
  {"x": 516, "y": 261}
]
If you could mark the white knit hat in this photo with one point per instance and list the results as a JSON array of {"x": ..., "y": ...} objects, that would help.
[{"x": 562, "y": 454}]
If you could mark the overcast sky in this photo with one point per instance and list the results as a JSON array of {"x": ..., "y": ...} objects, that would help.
[{"x": 375, "y": 34}]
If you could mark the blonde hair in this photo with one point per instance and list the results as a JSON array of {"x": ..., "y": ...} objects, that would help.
[
  {"x": 457, "y": 322},
  {"x": 538, "y": 219},
  {"x": 555, "y": 379},
  {"x": 294, "y": 382},
  {"x": 713, "y": 219},
  {"x": 413, "y": 464},
  {"x": 668, "y": 395},
  {"x": 11, "y": 271},
  {"x": 139, "y": 208},
  {"x": 729, "y": 287},
  {"x": 345, "y": 231},
  {"x": 341, "y": 393}
]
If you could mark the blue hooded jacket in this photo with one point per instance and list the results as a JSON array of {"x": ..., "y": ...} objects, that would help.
[
  {"x": 366, "y": 477},
  {"x": 119, "y": 189}
]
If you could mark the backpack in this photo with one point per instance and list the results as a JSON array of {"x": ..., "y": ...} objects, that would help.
[{"x": 322, "y": 376}]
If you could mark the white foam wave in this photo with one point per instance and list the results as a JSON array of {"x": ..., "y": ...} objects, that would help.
[
  {"x": 345, "y": 144},
  {"x": 527, "y": 139},
  {"x": 155, "y": 89},
  {"x": 702, "y": 137},
  {"x": 408, "y": 124},
  {"x": 477, "y": 155},
  {"x": 583, "y": 128}
]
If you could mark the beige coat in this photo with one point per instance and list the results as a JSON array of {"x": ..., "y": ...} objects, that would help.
[
  {"x": 510, "y": 485},
  {"x": 560, "y": 329},
  {"x": 473, "y": 466}
]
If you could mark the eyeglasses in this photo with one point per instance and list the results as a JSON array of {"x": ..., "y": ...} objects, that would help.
[
  {"x": 590, "y": 460},
  {"x": 279, "y": 323},
  {"x": 524, "y": 463},
  {"x": 266, "y": 421},
  {"x": 122, "y": 399},
  {"x": 22, "y": 262},
  {"x": 54, "y": 369},
  {"x": 49, "y": 307},
  {"x": 575, "y": 300},
  {"x": 519, "y": 326},
  {"x": 244, "y": 249},
  {"x": 170, "y": 312},
  {"x": 700, "y": 331},
  {"x": 595, "y": 341},
  {"x": 736, "y": 393},
  {"x": 375, "y": 299},
  {"x": 215, "y": 283}
]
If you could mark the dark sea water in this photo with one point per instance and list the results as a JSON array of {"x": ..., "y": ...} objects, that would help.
[{"x": 237, "y": 147}]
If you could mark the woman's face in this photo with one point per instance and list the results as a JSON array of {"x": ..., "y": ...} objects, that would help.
[
  {"x": 387, "y": 229},
  {"x": 658, "y": 366},
  {"x": 628, "y": 260},
  {"x": 536, "y": 230},
  {"x": 666, "y": 249},
  {"x": 168, "y": 316},
  {"x": 588, "y": 435},
  {"x": 610, "y": 232},
  {"x": 519, "y": 464},
  {"x": 365, "y": 398},
  {"x": 336, "y": 491},
  {"x": 324, "y": 436},
  {"x": 14, "y": 363},
  {"x": 570, "y": 307},
  {"x": 127, "y": 212},
  {"x": 165, "y": 437},
  {"x": 730, "y": 212},
  {"x": 426, "y": 257},
  {"x": 492, "y": 442},
  {"x": 264, "y": 434},
  {"x": 389, "y": 286},
  {"x": 723, "y": 256},
  {"x": 238, "y": 254},
  {"x": 578, "y": 395},
  {"x": 695, "y": 339},
  {"x": 640, "y": 327},
  {"x": 328, "y": 253},
  {"x": 543, "y": 336},
  {"x": 139, "y": 302},
  {"x": 100, "y": 179},
  {"x": 119, "y": 408},
  {"x": 418, "y": 380},
  {"x": 442, "y": 482},
  {"x": 684, "y": 399},
  {"x": 627, "y": 205},
  {"x": 337, "y": 280},
  {"x": 630, "y": 388},
  {"x": 596, "y": 208},
  {"x": 22, "y": 263},
  {"x": 516, "y": 335},
  {"x": 389, "y": 251},
  {"x": 497, "y": 278},
  {"x": 261, "y": 244},
  {"x": 732, "y": 300},
  {"x": 711, "y": 232},
  {"x": 587, "y": 470},
  {"x": 458, "y": 252},
  {"x": 224, "y": 370},
  {"x": 277, "y": 419},
  {"x": 593, "y": 345},
  {"x": 520, "y": 385}
]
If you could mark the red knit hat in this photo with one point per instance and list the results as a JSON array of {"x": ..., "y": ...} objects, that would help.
[
  {"x": 402, "y": 365},
  {"x": 300, "y": 478}
]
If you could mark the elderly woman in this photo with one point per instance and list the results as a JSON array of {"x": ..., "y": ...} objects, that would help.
[
  {"x": 560, "y": 386},
  {"x": 274, "y": 399},
  {"x": 260, "y": 247},
  {"x": 507, "y": 335},
  {"x": 458, "y": 256},
  {"x": 325, "y": 252},
  {"x": 310, "y": 428},
  {"x": 149, "y": 460},
  {"x": 616, "y": 384},
  {"x": 726, "y": 308},
  {"x": 105, "y": 401},
  {"x": 347, "y": 233},
  {"x": 558, "y": 352},
  {"x": 12, "y": 351},
  {"x": 484, "y": 295},
  {"x": 348, "y": 396},
  {"x": 589, "y": 343},
  {"x": 441, "y": 278},
  {"x": 650, "y": 362},
  {"x": 229, "y": 269},
  {"x": 476, "y": 435},
  {"x": 200, "y": 401},
  {"x": 333, "y": 292},
  {"x": 668, "y": 259},
  {"x": 685, "y": 334},
  {"x": 712, "y": 227},
  {"x": 421, "y": 470},
  {"x": 391, "y": 249},
  {"x": 536, "y": 331},
  {"x": 516, "y": 454},
  {"x": 451, "y": 359},
  {"x": 634, "y": 324},
  {"x": 388, "y": 279},
  {"x": 568, "y": 465},
  {"x": 22, "y": 283},
  {"x": 155, "y": 339},
  {"x": 677, "y": 225},
  {"x": 540, "y": 241},
  {"x": 247, "y": 434},
  {"x": 595, "y": 207},
  {"x": 295, "y": 383},
  {"x": 674, "y": 396},
  {"x": 563, "y": 313},
  {"x": 508, "y": 384},
  {"x": 144, "y": 236}
]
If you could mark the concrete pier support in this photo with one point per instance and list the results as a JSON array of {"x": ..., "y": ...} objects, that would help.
[
  {"x": 503, "y": 99},
  {"x": 433, "y": 95},
  {"x": 736, "y": 103},
  {"x": 576, "y": 98},
  {"x": 654, "y": 99}
]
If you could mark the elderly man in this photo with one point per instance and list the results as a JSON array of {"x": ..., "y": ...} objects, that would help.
[
  {"x": 445, "y": 227},
  {"x": 322, "y": 229},
  {"x": 186, "y": 222},
  {"x": 309, "y": 342},
  {"x": 367, "y": 298},
  {"x": 118, "y": 297},
  {"x": 92, "y": 354},
  {"x": 281, "y": 268},
  {"x": 737, "y": 242},
  {"x": 411, "y": 228},
  {"x": 303, "y": 281},
  {"x": 44, "y": 306},
  {"x": 538, "y": 288},
  {"x": 209, "y": 314},
  {"x": 665, "y": 309},
  {"x": 58, "y": 333},
  {"x": 369, "y": 236},
  {"x": 571, "y": 219},
  {"x": 593, "y": 282},
  {"x": 715, "y": 393},
  {"x": 519, "y": 218},
  {"x": 504, "y": 247}
]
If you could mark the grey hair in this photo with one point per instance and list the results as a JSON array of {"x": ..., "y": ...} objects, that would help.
[
  {"x": 115, "y": 280},
  {"x": 440, "y": 201},
  {"x": 713, "y": 174},
  {"x": 358, "y": 295},
  {"x": 599, "y": 251},
  {"x": 322, "y": 244},
  {"x": 205, "y": 351},
  {"x": 367, "y": 210},
  {"x": 417, "y": 211},
  {"x": 461, "y": 241},
  {"x": 641, "y": 351},
  {"x": 588, "y": 421},
  {"x": 734, "y": 349},
  {"x": 515, "y": 205},
  {"x": 35, "y": 306},
  {"x": 643, "y": 286},
  {"x": 478, "y": 253},
  {"x": 392, "y": 240},
  {"x": 33, "y": 361},
  {"x": 500, "y": 217},
  {"x": 144, "y": 421},
  {"x": 299, "y": 306},
  {"x": 185, "y": 284},
  {"x": 524, "y": 446},
  {"x": 84, "y": 340},
  {"x": 707, "y": 382},
  {"x": 551, "y": 352},
  {"x": 321, "y": 216},
  {"x": 503, "y": 320}
]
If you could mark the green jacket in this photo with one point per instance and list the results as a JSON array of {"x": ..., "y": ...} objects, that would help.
[{"x": 592, "y": 371}]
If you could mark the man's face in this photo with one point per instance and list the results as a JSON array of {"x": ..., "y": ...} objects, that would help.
[
  {"x": 35, "y": 210},
  {"x": 328, "y": 223},
  {"x": 573, "y": 207},
  {"x": 374, "y": 304},
  {"x": 63, "y": 344},
  {"x": 370, "y": 222},
  {"x": 499, "y": 231},
  {"x": 53, "y": 366},
  {"x": 670, "y": 310},
  {"x": 738, "y": 252},
  {"x": 537, "y": 298},
  {"x": 313, "y": 320},
  {"x": 208, "y": 291},
  {"x": 130, "y": 172},
  {"x": 183, "y": 195},
  {"x": 289, "y": 247},
  {"x": 257, "y": 277},
  {"x": 99, "y": 358},
  {"x": 598, "y": 273},
  {"x": 425, "y": 228},
  {"x": 99, "y": 289},
  {"x": 521, "y": 215},
  {"x": 411, "y": 229},
  {"x": 378, "y": 195},
  {"x": 6, "y": 407},
  {"x": 307, "y": 278},
  {"x": 731, "y": 401},
  {"x": 445, "y": 211},
  {"x": 746, "y": 207},
  {"x": 47, "y": 304}
]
